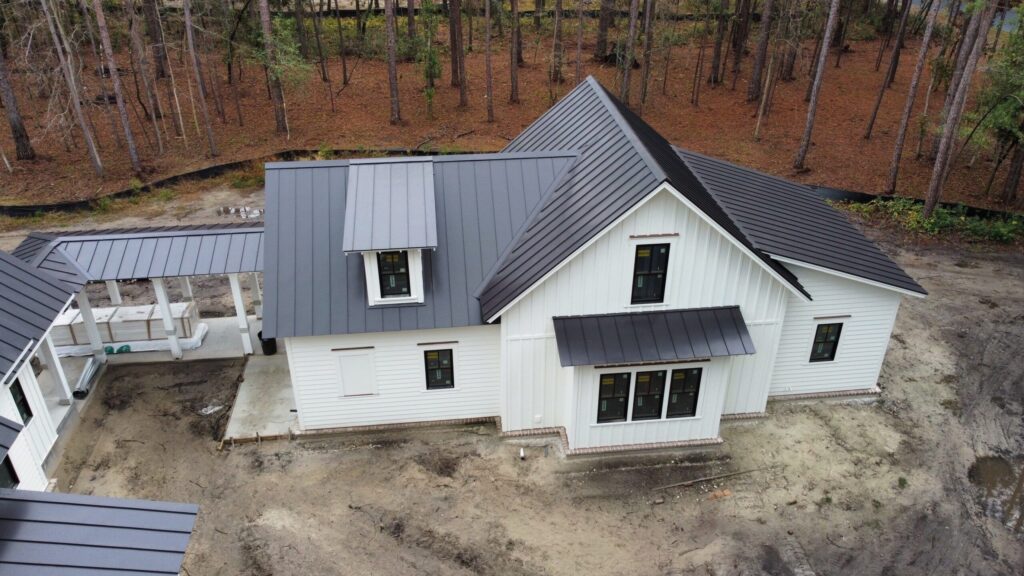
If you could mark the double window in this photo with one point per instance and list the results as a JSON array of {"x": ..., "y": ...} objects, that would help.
[
  {"x": 650, "y": 266},
  {"x": 617, "y": 391},
  {"x": 826, "y": 341},
  {"x": 393, "y": 271},
  {"x": 18, "y": 394},
  {"x": 440, "y": 366},
  {"x": 8, "y": 477}
]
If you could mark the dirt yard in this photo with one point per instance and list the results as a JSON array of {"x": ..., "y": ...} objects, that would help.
[{"x": 916, "y": 483}]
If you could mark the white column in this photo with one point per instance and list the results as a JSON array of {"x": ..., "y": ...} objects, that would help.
[
  {"x": 52, "y": 361},
  {"x": 243, "y": 321},
  {"x": 256, "y": 294},
  {"x": 165, "y": 313},
  {"x": 186, "y": 289},
  {"x": 114, "y": 292},
  {"x": 85, "y": 309}
]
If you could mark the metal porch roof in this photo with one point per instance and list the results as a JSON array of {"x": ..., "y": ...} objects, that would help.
[
  {"x": 389, "y": 205},
  {"x": 644, "y": 337},
  {"x": 51, "y": 534},
  {"x": 29, "y": 302},
  {"x": 9, "y": 430}
]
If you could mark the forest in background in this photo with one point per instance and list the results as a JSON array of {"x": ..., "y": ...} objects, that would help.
[{"x": 881, "y": 96}]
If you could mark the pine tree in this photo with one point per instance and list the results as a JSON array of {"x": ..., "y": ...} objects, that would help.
[
  {"x": 805, "y": 141},
  {"x": 276, "y": 91},
  {"x": 392, "y": 41},
  {"x": 22, "y": 144}
]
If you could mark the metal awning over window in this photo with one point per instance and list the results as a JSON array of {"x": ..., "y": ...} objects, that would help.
[{"x": 645, "y": 337}]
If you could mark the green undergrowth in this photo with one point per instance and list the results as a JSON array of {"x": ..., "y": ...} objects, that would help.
[{"x": 944, "y": 220}]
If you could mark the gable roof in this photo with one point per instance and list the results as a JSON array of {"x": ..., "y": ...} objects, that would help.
[
  {"x": 789, "y": 220},
  {"x": 389, "y": 205},
  {"x": 312, "y": 287},
  {"x": 46, "y": 533},
  {"x": 30, "y": 300},
  {"x": 622, "y": 160}
]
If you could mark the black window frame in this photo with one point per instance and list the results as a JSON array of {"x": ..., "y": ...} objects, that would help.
[
  {"x": 616, "y": 387},
  {"x": 21, "y": 401},
  {"x": 386, "y": 271},
  {"x": 653, "y": 391},
  {"x": 824, "y": 346},
  {"x": 8, "y": 475},
  {"x": 436, "y": 376},
  {"x": 690, "y": 410},
  {"x": 650, "y": 274}
]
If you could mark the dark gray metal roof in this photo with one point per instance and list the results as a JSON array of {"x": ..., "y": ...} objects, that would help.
[
  {"x": 644, "y": 337},
  {"x": 156, "y": 252},
  {"x": 622, "y": 160},
  {"x": 30, "y": 300},
  {"x": 389, "y": 205},
  {"x": 313, "y": 288},
  {"x": 787, "y": 219},
  {"x": 9, "y": 430},
  {"x": 49, "y": 534}
]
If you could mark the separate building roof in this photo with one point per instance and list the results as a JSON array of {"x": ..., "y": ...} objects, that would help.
[
  {"x": 77, "y": 257},
  {"x": 44, "y": 533},
  {"x": 9, "y": 430},
  {"x": 313, "y": 288},
  {"x": 646, "y": 337},
  {"x": 30, "y": 300},
  {"x": 389, "y": 205},
  {"x": 789, "y": 220}
]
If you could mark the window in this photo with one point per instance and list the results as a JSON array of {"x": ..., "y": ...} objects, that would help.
[
  {"x": 8, "y": 477},
  {"x": 649, "y": 268},
  {"x": 440, "y": 369},
  {"x": 21, "y": 402},
  {"x": 393, "y": 270},
  {"x": 826, "y": 340},
  {"x": 650, "y": 390},
  {"x": 356, "y": 370},
  {"x": 683, "y": 393},
  {"x": 613, "y": 397}
]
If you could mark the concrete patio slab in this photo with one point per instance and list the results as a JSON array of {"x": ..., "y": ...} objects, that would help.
[
  {"x": 222, "y": 341},
  {"x": 264, "y": 405}
]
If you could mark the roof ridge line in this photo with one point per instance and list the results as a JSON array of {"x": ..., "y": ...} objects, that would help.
[
  {"x": 605, "y": 97},
  {"x": 736, "y": 222},
  {"x": 655, "y": 311}
]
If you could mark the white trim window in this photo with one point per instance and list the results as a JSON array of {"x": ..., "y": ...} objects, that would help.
[
  {"x": 648, "y": 393},
  {"x": 650, "y": 281},
  {"x": 394, "y": 277},
  {"x": 439, "y": 367},
  {"x": 826, "y": 341}
]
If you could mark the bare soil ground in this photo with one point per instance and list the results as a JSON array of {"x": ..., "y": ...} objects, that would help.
[{"x": 916, "y": 483}]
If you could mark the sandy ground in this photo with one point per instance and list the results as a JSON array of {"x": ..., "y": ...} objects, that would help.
[{"x": 916, "y": 483}]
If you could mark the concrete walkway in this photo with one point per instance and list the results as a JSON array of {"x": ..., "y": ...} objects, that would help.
[{"x": 264, "y": 405}]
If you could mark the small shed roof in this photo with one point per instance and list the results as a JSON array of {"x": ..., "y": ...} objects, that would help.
[
  {"x": 9, "y": 430},
  {"x": 30, "y": 300},
  {"x": 45, "y": 533},
  {"x": 661, "y": 336},
  {"x": 156, "y": 252},
  {"x": 390, "y": 205}
]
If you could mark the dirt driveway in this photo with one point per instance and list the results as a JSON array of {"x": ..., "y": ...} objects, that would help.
[{"x": 914, "y": 484}]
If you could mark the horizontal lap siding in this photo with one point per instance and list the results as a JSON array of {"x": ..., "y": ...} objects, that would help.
[
  {"x": 862, "y": 343},
  {"x": 400, "y": 377}
]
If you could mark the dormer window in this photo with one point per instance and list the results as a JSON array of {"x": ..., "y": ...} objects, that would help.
[
  {"x": 393, "y": 272},
  {"x": 394, "y": 277}
]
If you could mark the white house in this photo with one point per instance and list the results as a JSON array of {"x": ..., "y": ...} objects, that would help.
[{"x": 590, "y": 280}]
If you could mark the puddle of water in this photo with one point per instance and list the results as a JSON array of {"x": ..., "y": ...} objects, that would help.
[
  {"x": 992, "y": 474},
  {"x": 1003, "y": 497}
]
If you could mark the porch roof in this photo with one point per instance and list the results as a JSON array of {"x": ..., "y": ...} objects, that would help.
[
  {"x": 659, "y": 336},
  {"x": 9, "y": 430}
]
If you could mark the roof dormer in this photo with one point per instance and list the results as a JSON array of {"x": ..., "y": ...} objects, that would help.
[{"x": 390, "y": 218}]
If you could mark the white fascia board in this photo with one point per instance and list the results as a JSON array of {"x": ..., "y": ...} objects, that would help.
[
  {"x": 846, "y": 276},
  {"x": 663, "y": 187},
  {"x": 32, "y": 348}
]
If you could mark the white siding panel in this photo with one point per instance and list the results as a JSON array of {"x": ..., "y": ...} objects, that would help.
[
  {"x": 401, "y": 395},
  {"x": 862, "y": 343},
  {"x": 705, "y": 269},
  {"x": 37, "y": 438}
]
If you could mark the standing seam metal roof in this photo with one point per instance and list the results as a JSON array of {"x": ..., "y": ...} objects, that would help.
[
  {"x": 50, "y": 534},
  {"x": 29, "y": 302},
  {"x": 389, "y": 205},
  {"x": 9, "y": 430}
]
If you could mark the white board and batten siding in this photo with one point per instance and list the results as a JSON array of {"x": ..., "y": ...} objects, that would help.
[
  {"x": 705, "y": 269},
  {"x": 30, "y": 449},
  {"x": 867, "y": 314},
  {"x": 380, "y": 378}
]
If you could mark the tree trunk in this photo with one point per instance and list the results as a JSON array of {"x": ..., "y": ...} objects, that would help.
[
  {"x": 840, "y": 41},
  {"x": 628, "y": 57},
  {"x": 715, "y": 77},
  {"x": 952, "y": 121},
  {"x": 741, "y": 30},
  {"x": 487, "y": 61},
  {"x": 514, "y": 54},
  {"x": 754, "y": 88},
  {"x": 894, "y": 60},
  {"x": 410, "y": 18},
  {"x": 908, "y": 106},
  {"x": 604, "y": 22},
  {"x": 555, "y": 75},
  {"x": 139, "y": 50},
  {"x": 805, "y": 141},
  {"x": 74, "y": 95},
  {"x": 648, "y": 48},
  {"x": 156, "y": 37},
  {"x": 967, "y": 42},
  {"x": 538, "y": 10},
  {"x": 460, "y": 52},
  {"x": 999, "y": 30},
  {"x": 197, "y": 68},
  {"x": 300, "y": 29},
  {"x": 455, "y": 39},
  {"x": 392, "y": 43},
  {"x": 579, "y": 41},
  {"x": 341, "y": 42},
  {"x": 276, "y": 92},
  {"x": 1013, "y": 177},
  {"x": 22, "y": 144}
]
